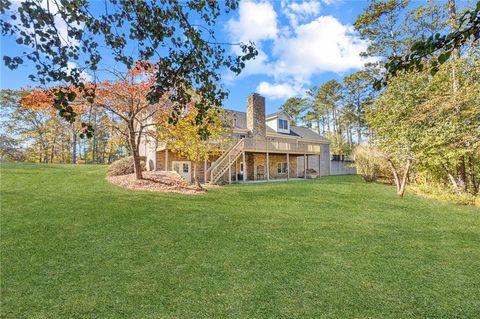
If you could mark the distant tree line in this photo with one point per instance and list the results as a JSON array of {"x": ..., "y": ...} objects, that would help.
[
  {"x": 336, "y": 110},
  {"x": 40, "y": 135},
  {"x": 422, "y": 125}
]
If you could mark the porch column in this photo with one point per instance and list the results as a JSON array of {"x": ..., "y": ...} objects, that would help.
[
  {"x": 236, "y": 174},
  {"x": 205, "y": 171},
  {"x": 244, "y": 173},
  {"x": 166, "y": 158},
  {"x": 268, "y": 167},
  {"x": 288, "y": 166},
  {"x": 229, "y": 171},
  {"x": 305, "y": 164}
]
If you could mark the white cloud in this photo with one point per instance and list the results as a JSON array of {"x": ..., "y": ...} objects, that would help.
[
  {"x": 305, "y": 46},
  {"x": 278, "y": 91},
  {"x": 83, "y": 74},
  {"x": 256, "y": 22},
  {"x": 307, "y": 7},
  {"x": 300, "y": 11},
  {"x": 60, "y": 24},
  {"x": 323, "y": 45}
]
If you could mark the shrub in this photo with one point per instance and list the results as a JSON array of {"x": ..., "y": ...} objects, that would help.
[
  {"x": 123, "y": 166},
  {"x": 443, "y": 193},
  {"x": 370, "y": 164}
]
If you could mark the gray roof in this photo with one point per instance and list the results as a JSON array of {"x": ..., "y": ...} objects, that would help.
[
  {"x": 295, "y": 131},
  {"x": 274, "y": 114},
  {"x": 240, "y": 118}
]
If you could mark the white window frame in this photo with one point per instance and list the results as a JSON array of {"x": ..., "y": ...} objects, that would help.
[{"x": 280, "y": 127}]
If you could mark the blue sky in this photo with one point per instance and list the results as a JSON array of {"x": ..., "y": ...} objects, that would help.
[{"x": 301, "y": 43}]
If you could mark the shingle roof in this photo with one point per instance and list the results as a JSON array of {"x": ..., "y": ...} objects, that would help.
[
  {"x": 240, "y": 119},
  {"x": 274, "y": 114},
  {"x": 295, "y": 131}
]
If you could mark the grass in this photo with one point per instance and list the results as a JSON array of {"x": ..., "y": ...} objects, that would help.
[{"x": 73, "y": 246}]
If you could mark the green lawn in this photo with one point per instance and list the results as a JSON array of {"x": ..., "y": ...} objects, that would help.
[{"x": 74, "y": 246}]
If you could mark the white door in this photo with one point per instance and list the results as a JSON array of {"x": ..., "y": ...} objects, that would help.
[{"x": 183, "y": 168}]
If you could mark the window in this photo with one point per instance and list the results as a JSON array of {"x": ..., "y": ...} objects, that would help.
[
  {"x": 185, "y": 167},
  {"x": 176, "y": 167},
  {"x": 282, "y": 168},
  {"x": 282, "y": 124}
]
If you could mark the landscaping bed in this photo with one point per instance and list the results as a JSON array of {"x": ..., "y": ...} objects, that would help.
[{"x": 156, "y": 181}]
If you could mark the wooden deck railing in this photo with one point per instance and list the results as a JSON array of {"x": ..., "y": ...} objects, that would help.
[{"x": 262, "y": 145}]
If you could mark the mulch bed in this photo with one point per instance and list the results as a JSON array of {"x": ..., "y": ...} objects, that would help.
[{"x": 156, "y": 181}]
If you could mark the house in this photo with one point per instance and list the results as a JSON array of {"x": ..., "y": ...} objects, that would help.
[{"x": 264, "y": 147}]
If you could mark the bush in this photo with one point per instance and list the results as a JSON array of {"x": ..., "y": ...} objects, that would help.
[
  {"x": 370, "y": 164},
  {"x": 123, "y": 166},
  {"x": 443, "y": 193}
]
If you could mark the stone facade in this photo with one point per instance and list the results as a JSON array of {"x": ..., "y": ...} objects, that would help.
[
  {"x": 257, "y": 167},
  {"x": 252, "y": 125},
  {"x": 172, "y": 157},
  {"x": 256, "y": 115}
]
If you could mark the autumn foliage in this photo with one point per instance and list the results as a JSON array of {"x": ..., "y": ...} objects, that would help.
[{"x": 125, "y": 97}]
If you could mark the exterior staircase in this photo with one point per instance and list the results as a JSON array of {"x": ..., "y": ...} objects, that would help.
[{"x": 224, "y": 162}]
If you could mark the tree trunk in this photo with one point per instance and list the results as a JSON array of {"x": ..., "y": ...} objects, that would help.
[
  {"x": 452, "y": 179},
  {"x": 135, "y": 152},
  {"x": 401, "y": 191},
  {"x": 452, "y": 13},
  {"x": 359, "y": 136},
  {"x": 74, "y": 147},
  {"x": 52, "y": 153},
  {"x": 62, "y": 149},
  {"x": 400, "y": 184},
  {"x": 472, "y": 176},
  {"x": 94, "y": 142},
  {"x": 395, "y": 173},
  {"x": 328, "y": 121},
  {"x": 462, "y": 175},
  {"x": 195, "y": 176},
  {"x": 45, "y": 153}
]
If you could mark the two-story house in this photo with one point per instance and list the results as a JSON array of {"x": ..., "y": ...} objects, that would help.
[{"x": 264, "y": 147}]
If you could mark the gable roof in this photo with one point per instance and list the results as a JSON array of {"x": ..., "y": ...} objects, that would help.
[
  {"x": 277, "y": 114},
  {"x": 299, "y": 132}
]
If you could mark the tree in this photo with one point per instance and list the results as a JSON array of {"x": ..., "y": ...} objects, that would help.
[
  {"x": 176, "y": 36},
  {"x": 338, "y": 145},
  {"x": 309, "y": 118},
  {"x": 43, "y": 134},
  {"x": 391, "y": 118},
  {"x": 294, "y": 107},
  {"x": 329, "y": 94},
  {"x": 427, "y": 117},
  {"x": 11, "y": 149},
  {"x": 418, "y": 118},
  {"x": 357, "y": 96},
  {"x": 316, "y": 109},
  {"x": 380, "y": 23},
  {"x": 125, "y": 99},
  {"x": 193, "y": 139},
  {"x": 436, "y": 46}
]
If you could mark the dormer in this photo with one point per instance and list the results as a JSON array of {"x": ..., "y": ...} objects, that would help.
[{"x": 279, "y": 122}]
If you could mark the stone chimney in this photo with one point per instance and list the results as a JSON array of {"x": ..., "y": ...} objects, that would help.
[{"x": 256, "y": 115}]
